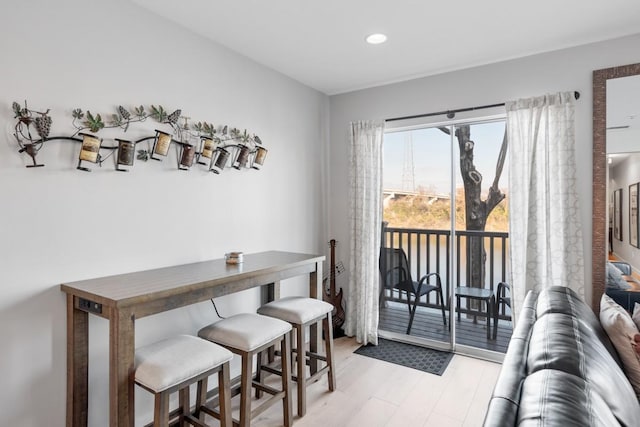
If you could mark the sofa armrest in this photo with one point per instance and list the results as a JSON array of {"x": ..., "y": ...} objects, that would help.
[
  {"x": 505, "y": 401},
  {"x": 624, "y": 267}
]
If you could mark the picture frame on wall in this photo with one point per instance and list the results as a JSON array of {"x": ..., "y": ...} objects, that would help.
[
  {"x": 633, "y": 214},
  {"x": 617, "y": 214}
]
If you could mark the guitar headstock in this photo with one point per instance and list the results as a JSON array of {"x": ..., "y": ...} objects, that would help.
[{"x": 333, "y": 243}]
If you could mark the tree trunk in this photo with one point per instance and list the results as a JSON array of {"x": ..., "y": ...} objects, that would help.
[
  {"x": 476, "y": 210},
  {"x": 475, "y": 207}
]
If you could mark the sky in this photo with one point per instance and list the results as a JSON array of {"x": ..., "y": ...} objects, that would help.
[{"x": 432, "y": 157}]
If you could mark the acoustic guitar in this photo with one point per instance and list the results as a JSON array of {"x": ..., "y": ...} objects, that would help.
[{"x": 330, "y": 295}]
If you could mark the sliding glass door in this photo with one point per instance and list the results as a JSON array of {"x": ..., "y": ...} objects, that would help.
[{"x": 446, "y": 229}]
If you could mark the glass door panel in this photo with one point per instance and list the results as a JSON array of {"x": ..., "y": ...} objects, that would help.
[
  {"x": 416, "y": 237},
  {"x": 481, "y": 235},
  {"x": 426, "y": 172}
]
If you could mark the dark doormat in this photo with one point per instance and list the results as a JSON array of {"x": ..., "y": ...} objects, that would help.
[{"x": 411, "y": 356}]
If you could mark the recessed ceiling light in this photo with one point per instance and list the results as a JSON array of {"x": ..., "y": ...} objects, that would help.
[{"x": 376, "y": 38}]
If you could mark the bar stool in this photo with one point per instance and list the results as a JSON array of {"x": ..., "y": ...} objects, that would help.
[
  {"x": 247, "y": 334},
  {"x": 302, "y": 312},
  {"x": 175, "y": 363}
]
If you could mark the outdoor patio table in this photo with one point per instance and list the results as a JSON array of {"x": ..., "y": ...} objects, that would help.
[{"x": 480, "y": 294}]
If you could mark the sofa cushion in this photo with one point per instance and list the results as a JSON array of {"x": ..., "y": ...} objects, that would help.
[
  {"x": 568, "y": 401},
  {"x": 621, "y": 329},
  {"x": 561, "y": 342},
  {"x": 560, "y": 299}
]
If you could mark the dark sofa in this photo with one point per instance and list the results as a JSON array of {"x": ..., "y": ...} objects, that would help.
[{"x": 561, "y": 369}]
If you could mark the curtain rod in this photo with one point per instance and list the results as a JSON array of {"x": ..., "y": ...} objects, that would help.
[{"x": 451, "y": 113}]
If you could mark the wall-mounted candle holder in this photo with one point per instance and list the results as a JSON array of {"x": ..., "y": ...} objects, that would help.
[
  {"x": 219, "y": 146},
  {"x": 258, "y": 158},
  {"x": 221, "y": 156},
  {"x": 90, "y": 151},
  {"x": 126, "y": 155},
  {"x": 187, "y": 155},
  {"x": 161, "y": 144},
  {"x": 207, "y": 146},
  {"x": 242, "y": 157}
]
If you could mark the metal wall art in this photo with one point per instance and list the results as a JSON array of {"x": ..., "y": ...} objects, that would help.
[{"x": 201, "y": 143}]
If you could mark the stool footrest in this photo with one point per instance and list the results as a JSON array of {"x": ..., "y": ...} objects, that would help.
[
  {"x": 194, "y": 421},
  {"x": 316, "y": 356},
  {"x": 216, "y": 414},
  {"x": 266, "y": 404},
  {"x": 315, "y": 377},
  {"x": 267, "y": 389},
  {"x": 271, "y": 370}
]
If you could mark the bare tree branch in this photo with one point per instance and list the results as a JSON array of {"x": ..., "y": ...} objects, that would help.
[{"x": 501, "y": 157}]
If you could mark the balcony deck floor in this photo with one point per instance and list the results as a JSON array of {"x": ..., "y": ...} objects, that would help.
[{"x": 428, "y": 324}]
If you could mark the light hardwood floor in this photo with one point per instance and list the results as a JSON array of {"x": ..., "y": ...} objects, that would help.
[{"x": 374, "y": 393}]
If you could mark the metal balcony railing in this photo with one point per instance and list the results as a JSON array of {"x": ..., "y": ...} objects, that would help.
[{"x": 428, "y": 251}]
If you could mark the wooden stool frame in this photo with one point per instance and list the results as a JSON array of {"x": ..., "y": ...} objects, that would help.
[
  {"x": 247, "y": 381},
  {"x": 162, "y": 416},
  {"x": 303, "y": 358}
]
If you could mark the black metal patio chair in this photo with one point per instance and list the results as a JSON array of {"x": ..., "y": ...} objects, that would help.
[
  {"x": 395, "y": 274},
  {"x": 503, "y": 296}
]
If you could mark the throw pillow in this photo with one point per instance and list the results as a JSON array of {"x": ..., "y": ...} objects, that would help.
[
  {"x": 621, "y": 331},
  {"x": 615, "y": 279}
]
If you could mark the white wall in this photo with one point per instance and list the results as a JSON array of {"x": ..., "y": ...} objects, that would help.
[
  {"x": 564, "y": 70},
  {"x": 58, "y": 224}
]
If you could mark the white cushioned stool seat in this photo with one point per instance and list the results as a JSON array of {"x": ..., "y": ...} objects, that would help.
[
  {"x": 169, "y": 362},
  {"x": 247, "y": 334},
  {"x": 302, "y": 312},
  {"x": 246, "y": 331},
  {"x": 296, "y": 309}
]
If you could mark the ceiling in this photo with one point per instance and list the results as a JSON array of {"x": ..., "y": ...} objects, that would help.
[{"x": 321, "y": 43}]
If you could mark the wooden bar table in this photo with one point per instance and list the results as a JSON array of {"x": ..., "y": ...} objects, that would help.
[{"x": 126, "y": 297}]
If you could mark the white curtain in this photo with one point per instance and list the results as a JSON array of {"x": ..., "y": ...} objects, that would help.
[
  {"x": 544, "y": 215},
  {"x": 365, "y": 220}
]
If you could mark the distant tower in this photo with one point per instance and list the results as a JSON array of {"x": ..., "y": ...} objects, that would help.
[{"x": 408, "y": 176}]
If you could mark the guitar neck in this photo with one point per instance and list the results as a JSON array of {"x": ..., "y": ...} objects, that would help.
[{"x": 332, "y": 273}]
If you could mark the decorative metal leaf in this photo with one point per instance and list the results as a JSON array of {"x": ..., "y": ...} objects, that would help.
[
  {"x": 158, "y": 113},
  {"x": 17, "y": 110},
  {"x": 224, "y": 130},
  {"x": 77, "y": 113},
  {"x": 257, "y": 139},
  {"x": 94, "y": 123},
  {"x": 139, "y": 111},
  {"x": 198, "y": 127},
  {"x": 116, "y": 120},
  {"x": 143, "y": 155}
]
